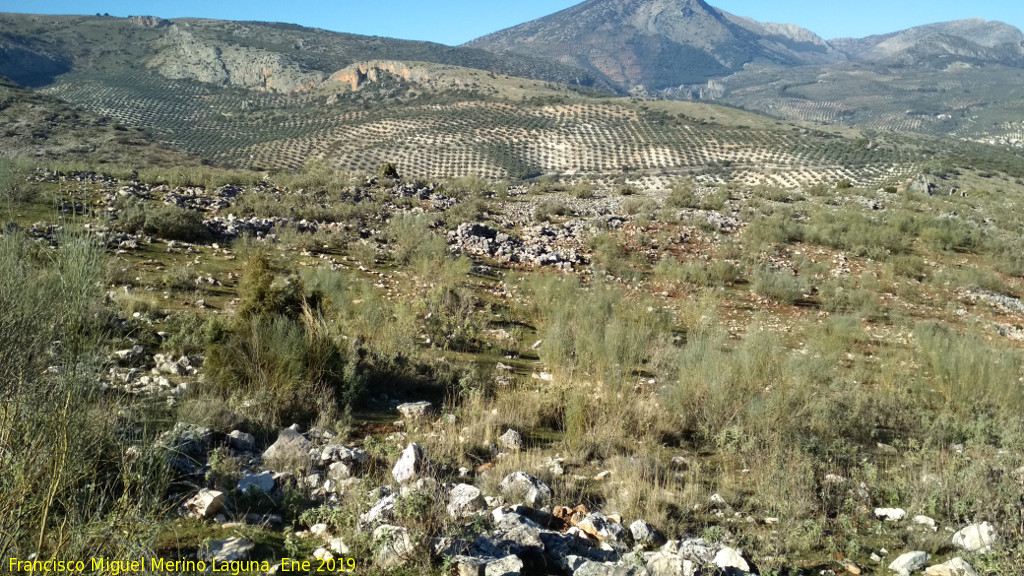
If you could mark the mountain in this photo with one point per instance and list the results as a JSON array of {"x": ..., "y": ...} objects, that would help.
[
  {"x": 35, "y": 50},
  {"x": 974, "y": 41},
  {"x": 659, "y": 43}
]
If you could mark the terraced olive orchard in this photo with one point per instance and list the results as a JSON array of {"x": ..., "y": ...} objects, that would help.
[{"x": 460, "y": 132}]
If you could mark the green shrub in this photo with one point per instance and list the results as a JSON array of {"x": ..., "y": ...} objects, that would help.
[
  {"x": 779, "y": 286},
  {"x": 164, "y": 221}
]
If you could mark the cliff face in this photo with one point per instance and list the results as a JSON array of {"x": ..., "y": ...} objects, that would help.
[{"x": 183, "y": 56}]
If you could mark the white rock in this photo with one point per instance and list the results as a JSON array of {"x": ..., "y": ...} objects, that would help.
[
  {"x": 416, "y": 410},
  {"x": 511, "y": 440},
  {"x": 890, "y": 514},
  {"x": 908, "y": 563},
  {"x": 976, "y": 538},
  {"x": 393, "y": 545},
  {"x": 599, "y": 526},
  {"x": 242, "y": 441},
  {"x": 507, "y": 566},
  {"x": 464, "y": 500},
  {"x": 925, "y": 521},
  {"x": 290, "y": 449},
  {"x": 318, "y": 529},
  {"x": 955, "y": 567},
  {"x": 731, "y": 558},
  {"x": 231, "y": 550},
  {"x": 521, "y": 487},
  {"x": 205, "y": 504},
  {"x": 258, "y": 482},
  {"x": 337, "y": 545},
  {"x": 410, "y": 465}
]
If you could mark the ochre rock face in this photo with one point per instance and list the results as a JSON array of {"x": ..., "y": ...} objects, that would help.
[{"x": 358, "y": 74}]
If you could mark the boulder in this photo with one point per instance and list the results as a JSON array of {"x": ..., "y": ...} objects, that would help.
[
  {"x": 393, "y": 545},
  {"x": 521, "y": 487},
  {"x": 410, "y": 464},
  {"x": 955, "y": 567},
  {"x": 291, "y": 450},
  {"x": 976, "y": 538},
  {"x": 907, "y": 564},
  {"x": 511, "y": 440},
  {"x": 231, "y": 550},
  {"x": 205, "y": 504},
  {"x": 464, "y": 500}
]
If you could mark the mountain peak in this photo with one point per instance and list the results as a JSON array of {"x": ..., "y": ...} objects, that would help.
[{"x": 659, "y": 43}]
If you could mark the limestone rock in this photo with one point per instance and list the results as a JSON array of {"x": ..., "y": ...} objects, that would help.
[
  {"x": 731, "y": 558},
  {"x": 508, "y": 566},
  {"x": 955, "y": 567},
  {"x": 393, "y": 545},
  {"x": 242, "y": 441},
  {"x": 257, "y": 482},
  {"x": 925, "y": 521},
  {"x": 410, "y": 464},
  {"x": 351, "y": 457},
  {"x": 416, "y": 410},
  {"x": 521, "y": 487},
  {"x": 231, "y": 550},
  {"x": 646, "y": 535},
  {"x": 291, "y": 450},
  {"x": 511, "y": 440},
  {"x": 381, "y": 512},
  {"x": 976, "y": 538},
  {"x": 908, "y": 563},
  {"x": 205, "y": 504},
  {"x": 890, "y": 514},
  {"x": 464, "y": 500},
  {"x": 599, "y": 526}
]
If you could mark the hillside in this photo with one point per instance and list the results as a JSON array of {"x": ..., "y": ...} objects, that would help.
[{"x": 281, "y": 58}]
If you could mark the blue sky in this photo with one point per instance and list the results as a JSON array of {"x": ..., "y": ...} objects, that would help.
[{"x": 456, "y": 21}]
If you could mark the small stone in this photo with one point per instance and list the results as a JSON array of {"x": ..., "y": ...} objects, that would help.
[
  {"x": 511, "y": 440},
  {"x": 908, "y": 563},
  {"x": 976, "y": 538},
  {"x": 318, "y": 529},
  {"x": 852, "y": 568},
  {"x": 469, "y": 566}
]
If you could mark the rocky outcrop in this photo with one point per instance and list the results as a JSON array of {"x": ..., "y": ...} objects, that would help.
[
  {"x": 184, "y": 56},
  {"x": 356, "y": 75}
]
